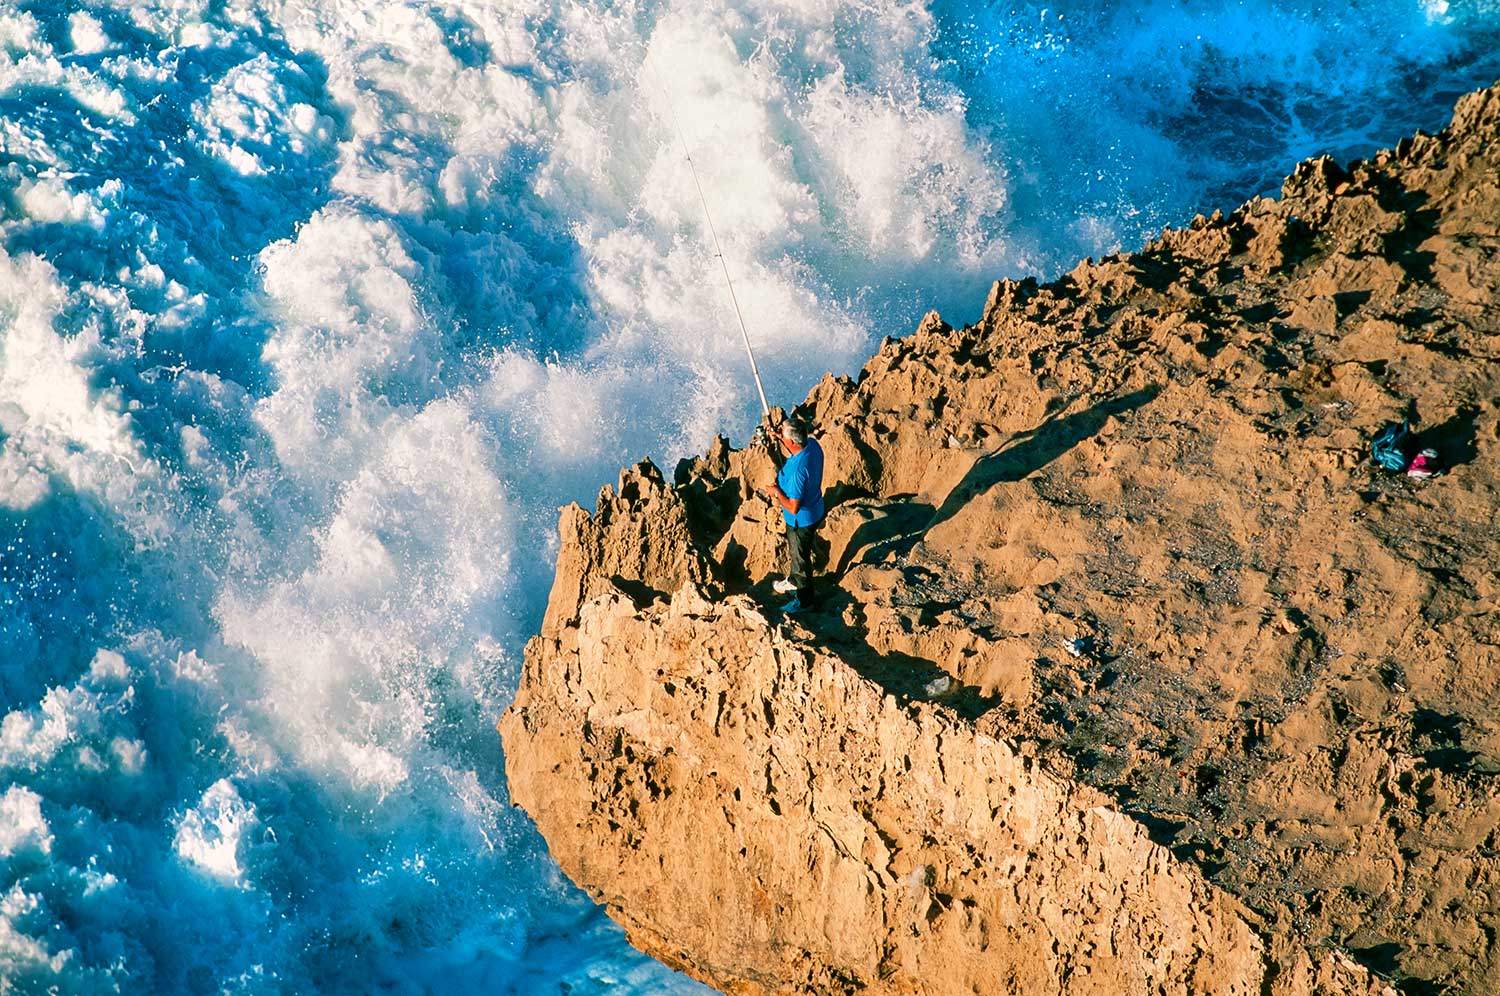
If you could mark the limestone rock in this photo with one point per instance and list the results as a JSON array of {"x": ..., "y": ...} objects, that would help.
[{"x": 1131, "y": 672}]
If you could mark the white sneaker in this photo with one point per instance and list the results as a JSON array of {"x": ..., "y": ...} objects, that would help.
[{"x": 783, "y": 587}]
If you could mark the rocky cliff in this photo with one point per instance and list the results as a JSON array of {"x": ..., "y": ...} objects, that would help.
[{"x": 1131, "y": 673}]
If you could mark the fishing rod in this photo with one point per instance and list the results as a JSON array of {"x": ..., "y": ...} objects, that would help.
[{"x": 765, "y": 406}]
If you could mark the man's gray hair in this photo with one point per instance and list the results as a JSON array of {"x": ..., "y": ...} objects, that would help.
[{"x": 793, "y": 431}]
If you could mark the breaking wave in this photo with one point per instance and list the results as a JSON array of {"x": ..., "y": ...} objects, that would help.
[{"x": 313, "y": 311}]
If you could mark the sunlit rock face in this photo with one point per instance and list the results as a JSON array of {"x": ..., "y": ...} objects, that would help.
[
  {"x": 312, "y": 313},
  {"x": 1131, "y": 671}
]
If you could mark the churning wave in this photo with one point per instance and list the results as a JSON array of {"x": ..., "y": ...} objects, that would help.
[{"x": 313, "y": 311}]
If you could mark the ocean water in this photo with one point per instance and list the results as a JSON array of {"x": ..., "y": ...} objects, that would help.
[{"x": 313, "y": 311}]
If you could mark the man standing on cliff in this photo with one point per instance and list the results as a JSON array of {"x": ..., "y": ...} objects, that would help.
[{"x": 799, "y": 492}]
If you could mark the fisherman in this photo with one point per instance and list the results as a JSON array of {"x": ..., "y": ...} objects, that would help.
[{"x": 799, "y": 492}]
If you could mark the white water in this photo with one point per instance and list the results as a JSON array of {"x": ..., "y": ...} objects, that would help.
[{"x": 312, "y": 312}]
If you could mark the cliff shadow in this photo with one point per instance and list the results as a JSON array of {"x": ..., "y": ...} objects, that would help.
[
  {"x": 896, "y": 529},
  {"x": 838, "y": 620},
  {"x": 1402, "y": 245},
  {"x": 1034, "y": 450},
  {"x": 1453, "y": 439},
  {"x": 901, "y": 521}
]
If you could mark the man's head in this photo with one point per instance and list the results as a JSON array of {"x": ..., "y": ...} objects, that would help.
[{"x": 794, "y": 433}]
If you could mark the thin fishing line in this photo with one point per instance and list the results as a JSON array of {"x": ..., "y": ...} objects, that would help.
[{"x": 718, "y": 249}]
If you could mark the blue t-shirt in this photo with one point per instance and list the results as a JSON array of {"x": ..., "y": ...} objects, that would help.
[{"x": 801, "y": 480}]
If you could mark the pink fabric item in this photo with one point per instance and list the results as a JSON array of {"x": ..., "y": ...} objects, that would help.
[{"x": 1423, "y": 465}]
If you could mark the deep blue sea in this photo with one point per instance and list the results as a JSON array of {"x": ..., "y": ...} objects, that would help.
[{"x": 312, "y": 312}]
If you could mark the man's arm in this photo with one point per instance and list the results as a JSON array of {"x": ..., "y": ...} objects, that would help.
[{"x": 779, "y": 497}]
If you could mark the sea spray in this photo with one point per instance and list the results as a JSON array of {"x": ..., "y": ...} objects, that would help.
[{"x": 314, "y": 312}]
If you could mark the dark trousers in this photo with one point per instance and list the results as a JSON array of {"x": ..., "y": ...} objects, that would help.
[{"x": 799, "y": 544}]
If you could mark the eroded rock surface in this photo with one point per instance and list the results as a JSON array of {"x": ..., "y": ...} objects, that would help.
[{"x": 1132, "y": 673}]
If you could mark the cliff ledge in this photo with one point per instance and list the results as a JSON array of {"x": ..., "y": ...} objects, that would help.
[{"x": 1132, "y": 675}]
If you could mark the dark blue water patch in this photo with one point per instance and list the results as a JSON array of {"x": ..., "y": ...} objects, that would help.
[
  {"x": 1114, "y": 123},
  {"x": 513, "y": 274},
  {"x": 1245, "y": 128},
  {"x": 75, "y": 579},
  {"x": 66, "y": 584},
  {"x": 464, "y": 39}
]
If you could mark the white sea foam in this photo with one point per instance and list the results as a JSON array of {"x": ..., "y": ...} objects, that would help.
[
  {"x": 87, "y": 34},
  {"x": 248, "y": 118},
  {"x": 56, "y": 421},
  {"x": 312, "y": 312},
  {"x": 22, "y": 826},
  {"x": 208, "y": 835}
]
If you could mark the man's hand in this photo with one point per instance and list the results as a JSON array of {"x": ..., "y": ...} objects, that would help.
[{"x": 780, "y": 500}]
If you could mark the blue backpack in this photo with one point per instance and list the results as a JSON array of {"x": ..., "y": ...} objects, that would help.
[{"x": 1388, "y": 449}]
